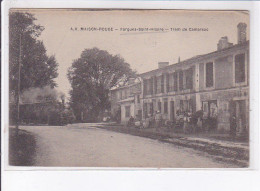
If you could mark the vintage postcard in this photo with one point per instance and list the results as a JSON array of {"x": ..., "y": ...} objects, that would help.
[{"x": 129, "y": 88}]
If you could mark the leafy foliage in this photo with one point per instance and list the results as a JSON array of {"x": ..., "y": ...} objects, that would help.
[
  {"x": 43, "y": 106},
  {"x": 91, "y": 76},
  {"x": 37, "y": 69}
]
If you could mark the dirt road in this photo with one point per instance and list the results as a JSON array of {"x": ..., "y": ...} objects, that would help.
[{"x": 83, "y": 145}]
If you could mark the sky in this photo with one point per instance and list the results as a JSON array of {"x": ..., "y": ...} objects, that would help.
[{"x": 142, "y": 50}]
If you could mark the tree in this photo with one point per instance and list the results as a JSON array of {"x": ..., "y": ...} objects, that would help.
[
  {"x": 37, "y": 69},
  {"x": 91, "y": 76}
]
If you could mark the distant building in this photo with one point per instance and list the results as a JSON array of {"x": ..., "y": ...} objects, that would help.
[
  {"x": 216, "y": 83},
  {"x": 126, "y": 100}
]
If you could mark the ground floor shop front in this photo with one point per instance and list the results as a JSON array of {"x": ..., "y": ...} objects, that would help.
[{"x": 224, "y": 111}]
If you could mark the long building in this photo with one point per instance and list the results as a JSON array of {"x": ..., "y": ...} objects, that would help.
[{"x": 216, "y": 83}]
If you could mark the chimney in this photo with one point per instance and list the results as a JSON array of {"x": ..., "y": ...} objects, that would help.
[
  {"x": 163, "y": 64},
  {"x": 223, "y": 43},
  {"x": 179, "y": 60},
  {"x": 241, "y": 33},
  {"x": 131, "y": 81}
]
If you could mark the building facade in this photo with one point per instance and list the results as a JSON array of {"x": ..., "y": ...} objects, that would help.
[
  {"x": 126, "y": 101},
  {"x": 216, "y": 83}
]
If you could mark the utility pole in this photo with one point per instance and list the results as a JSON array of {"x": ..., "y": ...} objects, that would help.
[{"x": 19, "y": 84}]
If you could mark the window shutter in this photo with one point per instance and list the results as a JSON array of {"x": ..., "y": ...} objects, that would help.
[
  {"x": 151, "y": 85},
  {"x": 240, "y": 68},
  {"x": 162, "y": 84},
  {"x": 155, "y": 85},
  {"x": 175, "y": 81},
  {"x": 167, "y": 83},
  {"x": 209, "y": 74},
  {"x": 181, "y": 80}
]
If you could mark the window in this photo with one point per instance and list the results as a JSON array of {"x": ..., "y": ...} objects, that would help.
[
  {"x": 210, "y": 108},
  {"x": 205, "y": 107},
  {"x": 127, "y": 111},
  {"x": 167, "y": 83},
  {"x": 159, "y": 106},
  {"x": 151, "y": 108},
  {"x": 181, "y": 106},
  {"x": 155, "y": 85},
  {"x": 145, "y": 110},
  {"x": 240, "y": 68},
  {"x": 165, "y": 107},
  {"x": 139, "y": 113},
  {"x": 162, "y": 84},
  {"x": 170, "y": 82},
  {"x": 151, "y": 86},
  {"x": 186, "y": 105},
  {"x": 189, "y": 79},
  {"x": 175, "y": 81},
  {"x": 209, "y": 74},
  {"x": 180, "y": 80},
  {"x": 145, "y": 87},
  {"x": 213, "y": 109},
  {"x": 158, "y": 83},
  {"x": 191, "y": 106}
]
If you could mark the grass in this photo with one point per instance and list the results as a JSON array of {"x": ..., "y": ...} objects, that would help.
[{"x": 22, "y": 147}]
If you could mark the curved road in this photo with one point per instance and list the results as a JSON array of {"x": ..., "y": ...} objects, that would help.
[{"x": 82, "y": 145}]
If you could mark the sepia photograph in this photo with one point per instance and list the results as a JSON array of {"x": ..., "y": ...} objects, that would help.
[{"x": 121, "y": 88}]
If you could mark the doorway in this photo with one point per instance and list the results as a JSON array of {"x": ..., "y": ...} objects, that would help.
[{"x": 238, "y": 116}]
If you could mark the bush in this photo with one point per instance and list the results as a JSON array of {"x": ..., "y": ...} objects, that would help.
[
  {"x": 67, "y": 117},
  {"x": 61, "y": 117}
]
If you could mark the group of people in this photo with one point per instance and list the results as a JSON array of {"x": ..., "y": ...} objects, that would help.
[
  {"x": 155, "y": 121},
  {"x": 187, "y": 122},
  {"x": 152, "y": 121}
]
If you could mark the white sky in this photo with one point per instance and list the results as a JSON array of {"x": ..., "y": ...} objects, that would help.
[{"x": 143, "y": 50}]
